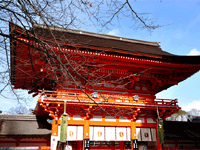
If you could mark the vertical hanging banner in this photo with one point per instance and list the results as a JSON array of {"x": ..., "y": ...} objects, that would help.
[
  {"x": 63, "y": 125},
  {"x": 63, "y": 128},
  {"x": 160, "y": 131},
  {"x": 160, "y": 128}
]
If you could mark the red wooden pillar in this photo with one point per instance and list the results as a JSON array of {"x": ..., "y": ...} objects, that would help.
[
  {"x": 54, "y": 131},
  {"x": 134, "y": 144},
  {"x": 122, "y": 145},
  {"x": 86, "y": 135},
  {"x": 176, "y": 145},
  {"x": 79, "y": 145},
  {"x": 18, "y": 141},
  {"x": 112, "y": 145},
  {"x": 48, "y": 141}
]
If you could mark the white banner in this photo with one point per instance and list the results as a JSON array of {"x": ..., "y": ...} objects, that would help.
[
  {"x": 121, "y": 134},
  {"x": 98, "y": 134},
  {"x": 71, "y": 133},
  {"x": 128, "y": 133},
  {"x": 79, "y": 135},
  {"x": 138, "y": 134},
  {"x": 91, "y": 133},
  {"x": 110, "y": 133},
  {"x": 74, "y": 133}
]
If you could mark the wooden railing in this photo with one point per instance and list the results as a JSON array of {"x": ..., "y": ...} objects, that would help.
[{"x": 105, "y": 98}]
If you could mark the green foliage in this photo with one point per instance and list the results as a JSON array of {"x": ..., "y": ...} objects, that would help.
[
  {"x": 181, "y": 115},
  {"x": 181, "y": 112}
]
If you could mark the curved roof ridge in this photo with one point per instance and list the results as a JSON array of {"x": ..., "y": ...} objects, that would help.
[{"x": 105, "y": 36}]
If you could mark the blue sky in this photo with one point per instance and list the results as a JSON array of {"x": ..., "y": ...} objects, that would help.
[{"x": 180, "y": 36}]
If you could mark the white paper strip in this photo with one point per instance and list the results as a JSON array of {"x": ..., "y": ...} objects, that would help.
[
  {"x": 98, "y": 134},
  {"x": 54, "y": 141},
  {"x": 71, "y": 133},
  {"x": 91, "y": 134},
  {"x": 79, "y": 135},
  {"x": 121, "y": 134},
  {"x": 74, "y": 133},
  {"x": 109, "y": 133},
  {"x": 128, "y": 134},
  {"x": 138, "y": 134}
]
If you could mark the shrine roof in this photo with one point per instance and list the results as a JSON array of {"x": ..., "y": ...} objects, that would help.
[
  {"x": 109, "y": 43},
  {"x": 79, "y": 37},
  {"x": 19, "y": 124},
  {"x": 154, "y": 59}
]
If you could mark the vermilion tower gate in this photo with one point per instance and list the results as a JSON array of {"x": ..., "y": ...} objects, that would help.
[{"x": 109, "y": 84}]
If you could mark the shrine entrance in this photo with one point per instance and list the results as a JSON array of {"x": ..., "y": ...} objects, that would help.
[
  {"x": 104, "y": 145},
  {"x": 113, "y": 145},
  {"x": 98, "y": 145},
  {"x": 100, "y": 138}
]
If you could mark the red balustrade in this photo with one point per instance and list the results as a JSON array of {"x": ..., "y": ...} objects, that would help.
[{"x": 104, "y": 98}]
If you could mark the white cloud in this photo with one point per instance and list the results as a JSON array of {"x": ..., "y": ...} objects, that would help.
[
  {"x": 194, "y": 52},
  {"x": 114, "y": 32},
  {"x": 192, "y": 105}
]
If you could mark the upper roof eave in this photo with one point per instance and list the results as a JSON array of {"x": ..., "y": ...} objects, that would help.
[
  {"x": 105, "y": 36},
  {"x": 78, "y": 38},
  {"x": 159, "y": 53}
]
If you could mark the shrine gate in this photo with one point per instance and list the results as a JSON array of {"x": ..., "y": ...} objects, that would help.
[{"x": 108, "y": 84}]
